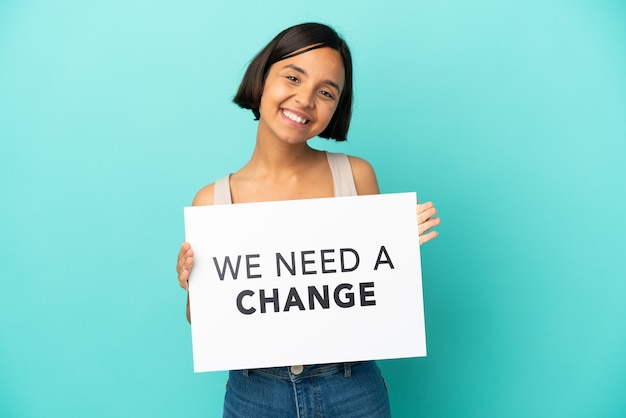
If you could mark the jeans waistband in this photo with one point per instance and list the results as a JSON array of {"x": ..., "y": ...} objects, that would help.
[{"x": 314, "y": 370}]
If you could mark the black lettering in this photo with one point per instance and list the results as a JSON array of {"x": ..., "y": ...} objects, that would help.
[
  {"x": 234, "y": 272},
  {"x": 292, "y": 268},
  {"x": 264, "y": 301},
  {"x": 240, "y": 306},
  {"x": 342, "y": 251},
  {"x": 387, "y": 260},
  {"x": 305, "y": 262},
  {"x": 250, "y": 266},
  {"x": 327, "y": 260},
  {"x": 293, "y": 299},
  {"x": 349, "y": 296},
  {"x": 324, "y": 301},
  {"x": 365, "y": 293}
]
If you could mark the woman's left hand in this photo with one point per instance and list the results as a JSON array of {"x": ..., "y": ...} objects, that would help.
[{"x": 426, "y": 221}]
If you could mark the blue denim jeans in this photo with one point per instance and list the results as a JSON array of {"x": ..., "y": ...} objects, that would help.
[{"x": 338, "y": 390}]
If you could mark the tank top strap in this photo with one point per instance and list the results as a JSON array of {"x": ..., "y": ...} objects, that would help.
[
  {"x": 343, "y": 181},
  {"x": 221, "y": 191}
]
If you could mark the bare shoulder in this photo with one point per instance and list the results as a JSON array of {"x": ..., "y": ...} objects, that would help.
[
  {"x": 204, "y": 197},
  {"x": 364, "y": 176}
]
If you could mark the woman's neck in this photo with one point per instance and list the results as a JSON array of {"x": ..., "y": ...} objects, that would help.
[
  {"x": 276, "y": 158},
  {"x": 278, "y": 170}
]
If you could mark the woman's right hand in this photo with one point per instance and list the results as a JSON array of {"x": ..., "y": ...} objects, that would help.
[{"x": 183, "y": 267}]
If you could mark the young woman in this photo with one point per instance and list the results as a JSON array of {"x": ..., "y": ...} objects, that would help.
[{"x": 298, "y": 87}]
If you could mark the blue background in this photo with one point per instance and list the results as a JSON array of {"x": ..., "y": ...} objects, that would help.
[{"x": 510, "y": 115}]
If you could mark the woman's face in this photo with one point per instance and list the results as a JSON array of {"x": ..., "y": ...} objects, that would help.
[{"x": 301, "y": 94}]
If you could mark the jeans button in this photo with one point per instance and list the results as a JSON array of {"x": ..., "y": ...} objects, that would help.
[{"x": 296, "y": 369}]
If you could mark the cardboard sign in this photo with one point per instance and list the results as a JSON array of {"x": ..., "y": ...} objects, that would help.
[{"x": 305, "y": 282}]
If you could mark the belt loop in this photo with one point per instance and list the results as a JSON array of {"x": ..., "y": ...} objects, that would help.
[
  {"x": 246, "y": 372},
  {"x": 347, "y": 369}
]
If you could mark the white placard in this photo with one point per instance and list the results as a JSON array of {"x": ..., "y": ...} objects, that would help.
[{"x": 305, "y": 282}]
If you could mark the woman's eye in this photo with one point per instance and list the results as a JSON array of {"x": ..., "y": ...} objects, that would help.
[
  {"x": 292, "y": 78},
  {"x": 327, "y": 94}
]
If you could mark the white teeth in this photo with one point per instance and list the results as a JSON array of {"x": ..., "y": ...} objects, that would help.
[{"x": 294, "y": 117}]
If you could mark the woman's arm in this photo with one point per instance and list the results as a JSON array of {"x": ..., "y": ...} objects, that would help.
[
  {"x": 366, "y": 183},
  {"x": 185, "y": 256},
  {"x": 364, "y": 176}
]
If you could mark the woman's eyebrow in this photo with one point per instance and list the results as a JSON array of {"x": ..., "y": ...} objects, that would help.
[{"x": 301, "y": 71}]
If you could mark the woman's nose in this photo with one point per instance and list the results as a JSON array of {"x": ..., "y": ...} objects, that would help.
[{"x": 305, "y": 97}]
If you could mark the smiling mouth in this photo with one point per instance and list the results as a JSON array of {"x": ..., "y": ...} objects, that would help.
[{"x": 292, "y": 116}]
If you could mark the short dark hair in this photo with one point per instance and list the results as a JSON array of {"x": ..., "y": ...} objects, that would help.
[{"x": 283, "y": 46}]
